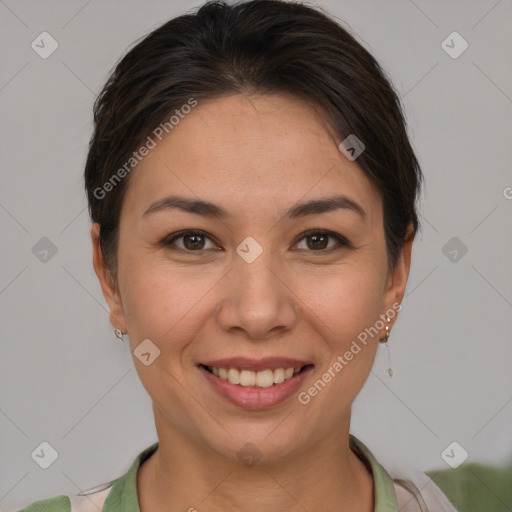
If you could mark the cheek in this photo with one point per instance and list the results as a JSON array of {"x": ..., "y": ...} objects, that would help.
[
  {"x": 350, "y": 307},
  {"x": 350, "y": 301},
  {"x": 348, "y": 352},
  {"x": 161, "y": 302}
]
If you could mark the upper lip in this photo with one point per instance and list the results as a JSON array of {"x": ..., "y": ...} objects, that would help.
[{"x": 256, "y": 365}]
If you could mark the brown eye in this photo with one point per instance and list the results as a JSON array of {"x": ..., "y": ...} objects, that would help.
[
  {"x": 189, "y": 241},
  {"x": 318, "y": 240},
  {"x": 193, "y": 242}
]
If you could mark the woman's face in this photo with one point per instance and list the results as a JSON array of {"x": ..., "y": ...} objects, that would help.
[{"x": 256, "y": 289}]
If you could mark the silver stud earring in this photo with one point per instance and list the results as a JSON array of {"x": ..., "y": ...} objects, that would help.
[
  {"x": 119, "y": 335},
  {"x": 385, "y": 339}
]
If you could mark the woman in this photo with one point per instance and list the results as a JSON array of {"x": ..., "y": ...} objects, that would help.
[{"x": 252, "y": 191}]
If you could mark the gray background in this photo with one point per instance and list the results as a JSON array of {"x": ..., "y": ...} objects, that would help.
[{"x": 64, "y": 377}]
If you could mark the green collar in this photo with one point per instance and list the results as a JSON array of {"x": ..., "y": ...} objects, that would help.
[
  {"x": 123, "y": 495},
  {"x": 383, "y": 489}
]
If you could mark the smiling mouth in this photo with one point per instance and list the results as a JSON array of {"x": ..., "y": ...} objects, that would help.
[{"x": 251, "y": 379}]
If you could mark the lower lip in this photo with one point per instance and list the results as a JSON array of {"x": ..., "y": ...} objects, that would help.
[{"x": 254, "y": 398}]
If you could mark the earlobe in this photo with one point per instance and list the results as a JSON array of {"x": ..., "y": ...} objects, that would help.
[{"x": 107, "y": 282}]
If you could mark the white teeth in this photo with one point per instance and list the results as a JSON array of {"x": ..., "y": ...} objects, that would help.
[
  {"x": 278, "y": 375},
  {"x": 265, "y": 379},
  {"x": 234, "y": 376},
  {"x": 248, "y": 378}
]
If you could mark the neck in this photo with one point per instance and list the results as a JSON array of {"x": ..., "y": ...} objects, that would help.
[{"x": 183, "y": 476}]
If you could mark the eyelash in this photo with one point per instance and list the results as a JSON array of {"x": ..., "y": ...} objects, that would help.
[{"x": 341, "y": 240}]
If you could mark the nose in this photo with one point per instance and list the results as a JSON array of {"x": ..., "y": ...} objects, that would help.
[{"x": 258, "y": 300}]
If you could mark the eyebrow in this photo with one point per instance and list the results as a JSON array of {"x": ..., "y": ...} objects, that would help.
[{"x": 208, "y": 209}]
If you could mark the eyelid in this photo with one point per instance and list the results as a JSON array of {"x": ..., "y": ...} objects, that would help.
[
  {"x": 170, "y": 240},
  {"x": 342, "y": 241}
]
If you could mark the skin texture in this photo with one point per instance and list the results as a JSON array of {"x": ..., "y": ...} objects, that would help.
[{"x": 255, "y": 157}]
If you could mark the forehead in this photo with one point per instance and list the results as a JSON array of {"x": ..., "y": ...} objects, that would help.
[{"x": 255, "y": 151}]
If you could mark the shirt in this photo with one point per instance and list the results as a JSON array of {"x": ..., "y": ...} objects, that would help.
[{"x": 391, "y": 495}]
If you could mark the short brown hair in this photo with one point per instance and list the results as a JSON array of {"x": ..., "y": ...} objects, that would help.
[{"x": 256, "y": 47}]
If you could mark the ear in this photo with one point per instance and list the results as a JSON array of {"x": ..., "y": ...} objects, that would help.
[
  {"x": 397, "y": 279},
  {"x": 107, "y": 282}
]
